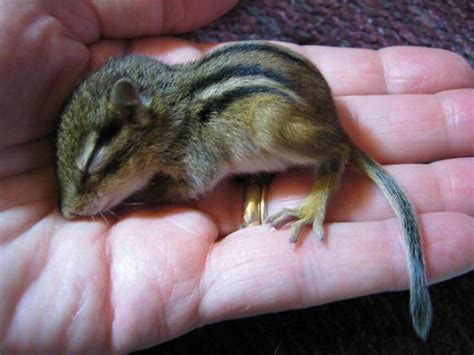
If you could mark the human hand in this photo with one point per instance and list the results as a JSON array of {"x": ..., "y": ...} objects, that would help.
[{"x": 115, "y": 286}]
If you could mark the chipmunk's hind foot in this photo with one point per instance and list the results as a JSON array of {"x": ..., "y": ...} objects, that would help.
[{"x": 313, "y": 209}]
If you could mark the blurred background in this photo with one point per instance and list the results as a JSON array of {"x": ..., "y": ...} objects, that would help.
[{"x": 377, "y": 324}]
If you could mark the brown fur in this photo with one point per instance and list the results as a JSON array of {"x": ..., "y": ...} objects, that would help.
[{"x": 167, "y": 133}]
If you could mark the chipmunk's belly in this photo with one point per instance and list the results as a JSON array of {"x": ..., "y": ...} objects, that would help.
[
  {"x": 269, "y": 163},
  {"x": 259, "y": 163}
]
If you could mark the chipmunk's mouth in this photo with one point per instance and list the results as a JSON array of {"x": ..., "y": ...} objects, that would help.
[
  {"x": 71, "y": 209},
  {"x": 73, "y": 214},
  {"x": 94, "y": 206}
]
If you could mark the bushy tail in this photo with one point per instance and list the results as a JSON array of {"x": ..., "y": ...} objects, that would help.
[{"x": 420, "y": 303}]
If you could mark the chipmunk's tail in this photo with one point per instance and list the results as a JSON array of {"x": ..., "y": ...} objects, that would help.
[{"x": 420, "y": 303}]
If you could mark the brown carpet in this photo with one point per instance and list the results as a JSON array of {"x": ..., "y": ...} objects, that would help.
[{"x": 371, "y": 325}]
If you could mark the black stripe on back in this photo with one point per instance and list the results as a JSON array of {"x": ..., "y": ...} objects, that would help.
[
  {"x": 246, "y": 47},
  {"x": 228, "y": 72},
  {"x": 219, "y": 104}
]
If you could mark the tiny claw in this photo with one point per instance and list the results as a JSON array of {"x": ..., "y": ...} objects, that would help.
[
  {"x": 275, "y": 222},
  {"x": 271, "y": 222},
  {"x": 296, "y": 230},
  {"x": 293, "y": 239},
  {"x": 319, "y": 231},
  {"x": 269, "y": 225},
  {"x": 320, "y": 236},
  {"x": 275, "y": 225},
  {"x": 283, "y": 217}
]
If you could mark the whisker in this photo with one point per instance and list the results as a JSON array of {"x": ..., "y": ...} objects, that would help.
[
  {"x": 111, "y": 212},
  {"x": 133, "y": 203},
  {"x": 104, "y": 218}
]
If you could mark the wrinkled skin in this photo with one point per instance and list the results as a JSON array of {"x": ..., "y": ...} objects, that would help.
[{"x": 118, "y": 284}]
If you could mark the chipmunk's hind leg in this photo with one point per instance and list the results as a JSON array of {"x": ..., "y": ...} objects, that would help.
[
  {"x": 313, "y": 209},
  {"x": 307, "y": 138}
]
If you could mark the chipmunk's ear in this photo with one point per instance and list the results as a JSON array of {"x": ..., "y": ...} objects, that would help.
[{"x": 126, "y": 99}]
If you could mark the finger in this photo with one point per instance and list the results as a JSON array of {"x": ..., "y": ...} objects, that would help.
[
  {"x": 436, "y": 187},
  {"x": 19, "y": 159},
  {"x": 224, "y": 205},
  {"x": 349, "y": 71},
  {"x": 411, "y": 128},
  {"x": 39, "y": 64},
  {"x": 156, "y": 261},
  {"x": 31, "y": 186},
  {"x": 392, "y": 70},
  {"x": 358, "y": 259},
  {"x": 152, "y": 17},
  {"x": 168, "y": 50}
]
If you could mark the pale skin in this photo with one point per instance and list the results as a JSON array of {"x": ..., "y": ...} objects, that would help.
[{"x": 126, "y": 283}]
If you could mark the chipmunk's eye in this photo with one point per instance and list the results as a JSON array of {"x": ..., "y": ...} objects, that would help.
[
  {"x": 87, "y": 151},
  {"x": 97, "y": 160},
  {"x": 100, "y": 155},
  {"x": 96, "y": 150}
]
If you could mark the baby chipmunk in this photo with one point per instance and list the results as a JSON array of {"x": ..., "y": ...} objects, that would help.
[{"x": 138, "y": 127}]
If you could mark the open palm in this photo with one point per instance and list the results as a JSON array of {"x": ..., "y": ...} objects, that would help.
[{"x": 156, "y": 272}]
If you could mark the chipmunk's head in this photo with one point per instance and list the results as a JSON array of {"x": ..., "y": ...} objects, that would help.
[{"x": 104, "y": 150}]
